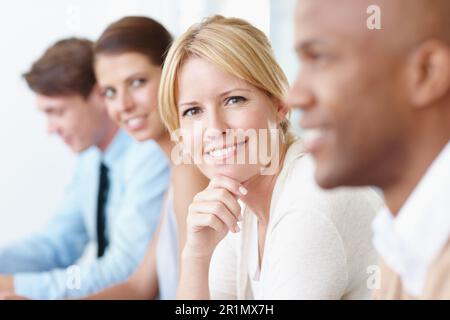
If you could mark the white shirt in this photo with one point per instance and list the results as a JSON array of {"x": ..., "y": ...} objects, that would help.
[
  {"x": 318, "y": 243},
  {"x": 167, "y": 262},
  {"x": 253, "y": 265},
  {"x": 411, "y": 241},
  {"x": 45, "y": 263}
]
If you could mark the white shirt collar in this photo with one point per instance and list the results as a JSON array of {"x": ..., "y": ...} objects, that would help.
[{"x": 411, "y": 241}]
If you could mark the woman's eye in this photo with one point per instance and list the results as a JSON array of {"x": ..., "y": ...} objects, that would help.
[
  {"x": 109, "y": 93},
  {"x": 234, "y": 100},
  {"x": 136, "y": 83},
  {"x": 191, "y": 112}
]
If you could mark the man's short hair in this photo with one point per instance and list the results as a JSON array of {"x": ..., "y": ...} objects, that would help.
[{"x": 65, "y": 68}]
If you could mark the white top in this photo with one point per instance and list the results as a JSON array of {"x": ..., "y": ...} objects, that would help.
[
  {"x": 410, "y": 242},
  {"x": 253, "y": 264},
  {"x": 318, "y": 243},
  {"x": 167, "y": 262}
]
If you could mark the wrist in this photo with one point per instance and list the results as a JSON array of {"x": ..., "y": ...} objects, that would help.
[{"x": 191, "y": 253}]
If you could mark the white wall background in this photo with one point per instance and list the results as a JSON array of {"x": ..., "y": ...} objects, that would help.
[{"x": 34, "y": 168}]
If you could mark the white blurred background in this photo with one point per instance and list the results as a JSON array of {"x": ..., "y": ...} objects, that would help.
[{"x": 34, "y": 167}]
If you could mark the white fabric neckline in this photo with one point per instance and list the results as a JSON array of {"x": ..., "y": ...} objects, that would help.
[{"x": 410, "y": 242}]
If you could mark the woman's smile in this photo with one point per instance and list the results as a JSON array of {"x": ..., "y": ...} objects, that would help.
[{"x": 220, "y": 153}]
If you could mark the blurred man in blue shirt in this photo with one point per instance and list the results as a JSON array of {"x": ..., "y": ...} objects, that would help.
[{"x": 114, "y": 198}]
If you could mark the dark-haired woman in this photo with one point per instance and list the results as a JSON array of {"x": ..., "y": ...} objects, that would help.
[{"x": 128, "y": 62}]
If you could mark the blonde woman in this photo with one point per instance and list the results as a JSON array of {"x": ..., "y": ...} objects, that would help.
[{"x": 262, "y": 228}]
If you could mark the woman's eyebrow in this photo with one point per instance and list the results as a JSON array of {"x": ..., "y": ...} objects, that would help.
[
  {"x": 190, "y": 103},
  {"x": 232, "y": 90},
  {"x": 134, "y": 75}
]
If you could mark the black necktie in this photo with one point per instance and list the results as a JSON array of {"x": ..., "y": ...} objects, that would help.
[{"x": 103, "y": 189}]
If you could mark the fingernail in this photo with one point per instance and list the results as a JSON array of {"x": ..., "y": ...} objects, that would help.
[
  {"x": 242, "y": 190},
  {"x": 237, "y": 229}
]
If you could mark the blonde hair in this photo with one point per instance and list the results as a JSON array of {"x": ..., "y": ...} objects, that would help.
[{"x": 233, "y": 45}]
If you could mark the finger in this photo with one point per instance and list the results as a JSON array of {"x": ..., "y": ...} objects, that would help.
[
  {"x": 221, "y": 195},
  {"x": 199, "y": 221},
  {"x": 219, "y": 210},
  {"x": 230, "y": 184}
]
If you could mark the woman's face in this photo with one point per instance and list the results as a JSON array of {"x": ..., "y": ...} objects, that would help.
[
  {"x": 129, "y": 83},
  {"x": 225, "y": 122}
]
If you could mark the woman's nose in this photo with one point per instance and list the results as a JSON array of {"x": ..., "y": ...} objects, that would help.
[
  {"x": 125, "y": 102},
  {"x": 216, "y": 126}
]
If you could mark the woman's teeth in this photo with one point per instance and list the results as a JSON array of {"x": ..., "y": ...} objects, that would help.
[
  {"x": 220, "y": 153},
  {"x": 136, "y": 122},
  {"x": 224, "y": 152}
]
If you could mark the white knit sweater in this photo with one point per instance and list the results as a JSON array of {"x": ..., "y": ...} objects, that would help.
[{"x": 318, "y": 243}]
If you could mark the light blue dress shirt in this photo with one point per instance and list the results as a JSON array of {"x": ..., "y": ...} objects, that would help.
[{"x": 45, "y": 265}]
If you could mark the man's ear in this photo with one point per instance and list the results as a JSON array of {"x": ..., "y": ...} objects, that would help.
[
  {"x": 96, "y": 92},
  {"x": 429, "y": 73},
  {"x": 96, "y": 96}
]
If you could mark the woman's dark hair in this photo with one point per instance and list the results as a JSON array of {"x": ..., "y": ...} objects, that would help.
[{"x": 135, "y": 34}]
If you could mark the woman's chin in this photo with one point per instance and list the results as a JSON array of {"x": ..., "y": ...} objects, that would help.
[{"x": 239, "y": 173}]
